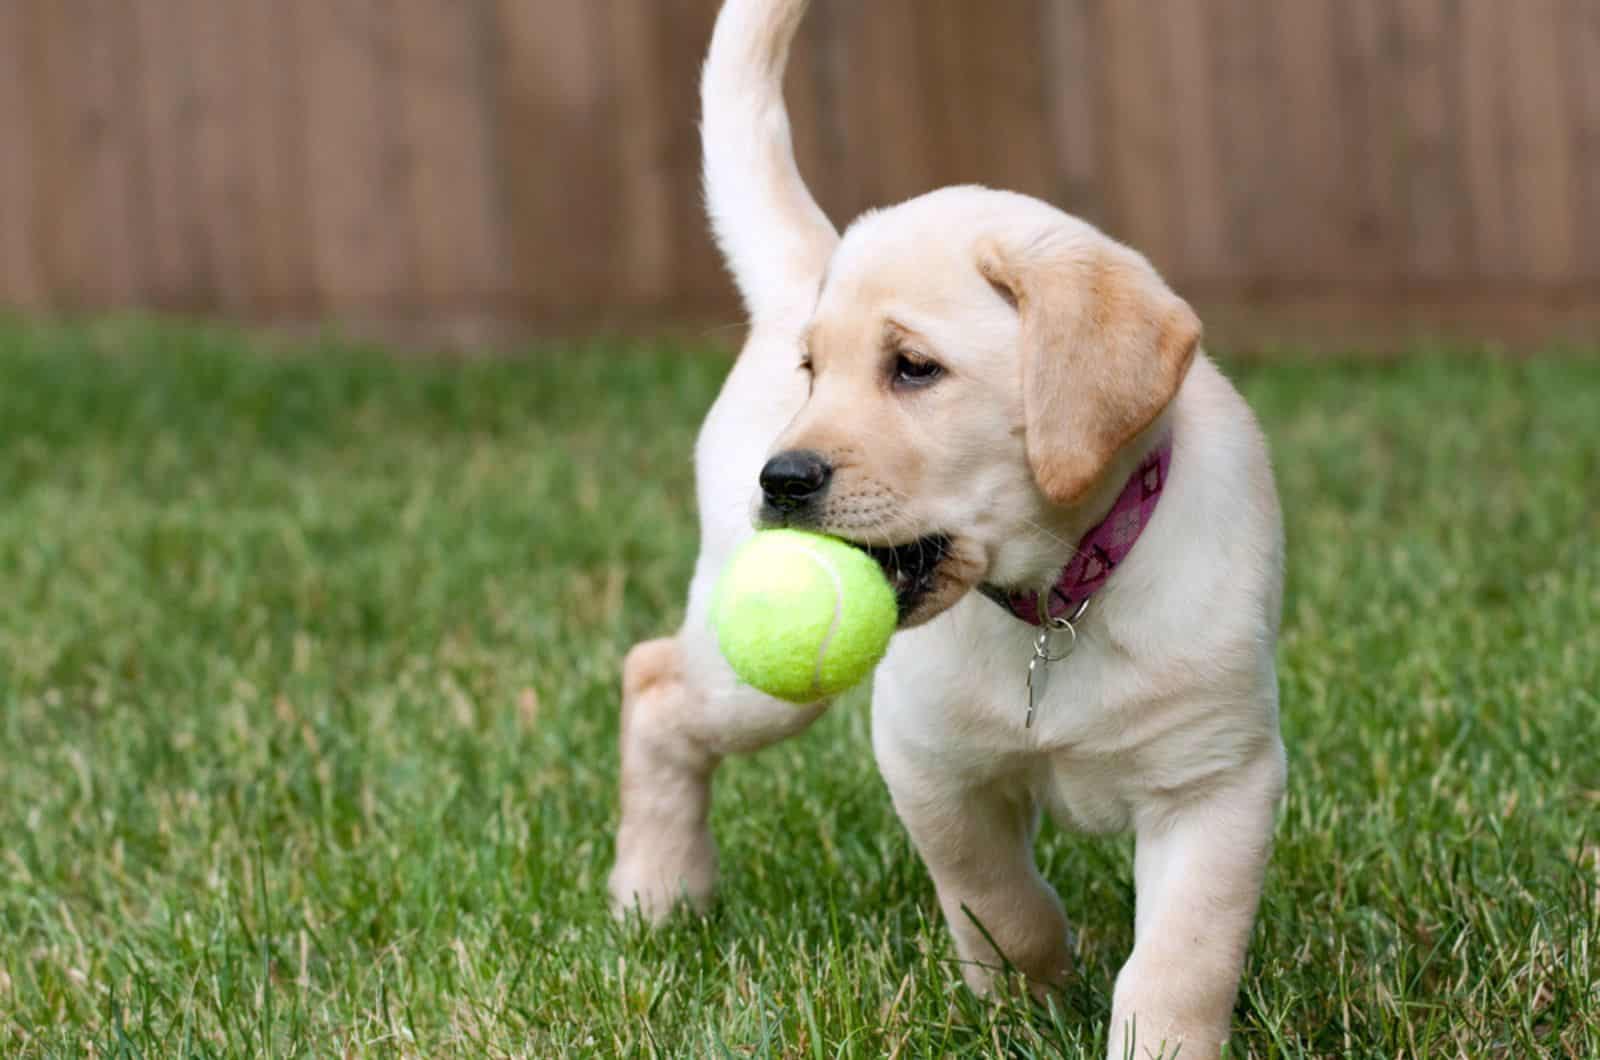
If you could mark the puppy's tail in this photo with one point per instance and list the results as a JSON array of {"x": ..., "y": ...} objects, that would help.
[{"x": 774, "y": 236}]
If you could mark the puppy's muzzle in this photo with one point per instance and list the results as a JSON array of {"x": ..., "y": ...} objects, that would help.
[{"x": 794, "y": 479}]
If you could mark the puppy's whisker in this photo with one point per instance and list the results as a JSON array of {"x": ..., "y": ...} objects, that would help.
[
  {"x": 879, "y": 533},
  {"x": 718, "y": 330},
  {"x": 1072, "y": 549}
]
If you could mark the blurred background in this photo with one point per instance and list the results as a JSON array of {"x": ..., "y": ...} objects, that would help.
[{"x": 1325, "y": 172}]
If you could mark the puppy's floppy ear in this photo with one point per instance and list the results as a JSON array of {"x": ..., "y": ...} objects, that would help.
[{"x": 1105, "y": 345}]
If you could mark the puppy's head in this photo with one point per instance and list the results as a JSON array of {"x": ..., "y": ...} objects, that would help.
[{"x": 977, "y": 363}]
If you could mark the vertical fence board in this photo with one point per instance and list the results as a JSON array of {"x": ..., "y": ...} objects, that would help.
[
  {"x": 812, "y": 123},
  {"x": 682, "y": 35},
  {"x": 1013, "y": 61},
  {"x": 177, "y": 274},
  {"x": 932, "y": 54},
  {"x": 85, "y": 157},
  {"x": 983, "y": 65},
  {"x": 1372, "y": 134},
  {"x": 559, "y": 183},
  {"x": 822, "y": 136},
  {"x": 1273, "y": 220},
  {"x": 133, "y": 73},
  {"x": 460, "y": 263},
  {"x": 1483, "y": 73},
  {"x": 20, "y": 283},
  {"x": 1437, "y": 225},
  {"x": 895, "y": 134},
  {"x": 1541, "y": 169},
  {"x": 1583, "y": 71},
  {"x": 120, "y": 160},
  {"x": 1313, "y": 158},
  {"x": 646, "y": 192},
  {"x": 229, "y": 224},
  {"x": 358, "y": 173},
  {"x": 1242, "y": 70},
  {"x": 1140, "y": 155},
  {"x": 1201, "y": 228},
  {"x": 273, "y": 147},
  {"x": 1073, "y": 112}
]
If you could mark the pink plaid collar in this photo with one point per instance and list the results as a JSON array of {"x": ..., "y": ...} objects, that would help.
[{"x": 1102, "y": 549}]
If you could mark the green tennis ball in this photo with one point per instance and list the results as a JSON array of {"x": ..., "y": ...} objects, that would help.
[{"x": 801, "y": 616}]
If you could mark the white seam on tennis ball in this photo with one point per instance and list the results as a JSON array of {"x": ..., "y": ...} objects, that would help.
[{"x": 838, "y": 608}]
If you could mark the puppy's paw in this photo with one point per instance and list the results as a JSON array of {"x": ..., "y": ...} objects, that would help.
[{"x": 655, "y": 876}]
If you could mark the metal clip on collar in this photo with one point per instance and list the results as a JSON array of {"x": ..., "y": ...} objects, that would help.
[{"x": 1049, "y": 627}]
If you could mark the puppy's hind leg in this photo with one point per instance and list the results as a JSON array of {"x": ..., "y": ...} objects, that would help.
[
  {"x": 664, "y": 849},
  {"x": 679, "y": 720},
  {"x": 682, "y": 709}
]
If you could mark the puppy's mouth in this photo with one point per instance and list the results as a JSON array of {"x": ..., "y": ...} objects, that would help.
[{"x": 912, "y": 568}]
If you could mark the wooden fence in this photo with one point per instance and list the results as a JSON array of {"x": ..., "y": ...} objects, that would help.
[{"x": 534, "y": 162}]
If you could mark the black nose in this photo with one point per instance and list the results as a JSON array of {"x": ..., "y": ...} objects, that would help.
[{"x": 792, "y": 478}]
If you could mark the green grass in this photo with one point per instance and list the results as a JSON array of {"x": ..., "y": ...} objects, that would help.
[{"x": 308, "y": 706}]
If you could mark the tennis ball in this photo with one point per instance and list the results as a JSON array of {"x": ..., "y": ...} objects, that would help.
[{"x": 801, "y": 616}]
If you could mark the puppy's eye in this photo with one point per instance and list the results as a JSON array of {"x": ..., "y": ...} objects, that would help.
[{"x": 912, "y": 371}]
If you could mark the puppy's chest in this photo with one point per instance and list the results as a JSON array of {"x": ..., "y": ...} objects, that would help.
[
  {"x": 1073, "y": 704},
  {"x": 1079, "y": 750},
  {"x": 1087, "y": 766},
  {"x": 1088, "y": 742},
  {"x": 1086, "y": 794}
]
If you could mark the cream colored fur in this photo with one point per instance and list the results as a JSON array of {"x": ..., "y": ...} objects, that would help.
[{"x": 1066, "y": 359}]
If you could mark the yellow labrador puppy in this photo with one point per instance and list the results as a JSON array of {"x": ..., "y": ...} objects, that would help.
[{"x": 1011, "y": 413}]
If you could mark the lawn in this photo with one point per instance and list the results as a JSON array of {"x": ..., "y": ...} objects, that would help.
[{"x": 308, "y": 703}]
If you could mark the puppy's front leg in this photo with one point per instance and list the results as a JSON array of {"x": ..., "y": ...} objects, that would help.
[
  {"x": 1198, "y": 869},
  {"x": 977, "y": 842}
]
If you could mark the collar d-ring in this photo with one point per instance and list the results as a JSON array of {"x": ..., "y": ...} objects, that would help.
[{"x": 1060, "y": 624}]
